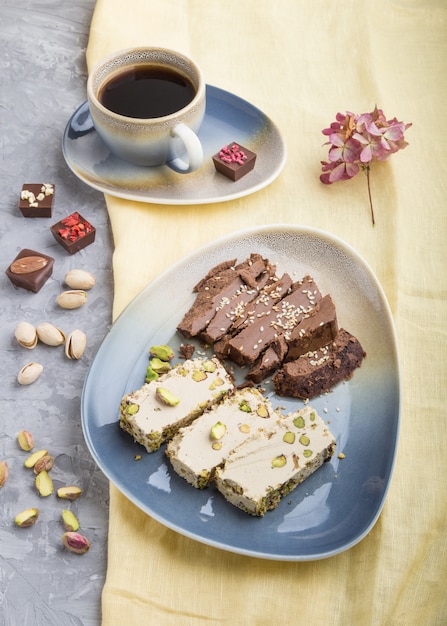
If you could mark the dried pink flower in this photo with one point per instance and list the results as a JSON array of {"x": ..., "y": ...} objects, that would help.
[{"x": 356, "y": 141}]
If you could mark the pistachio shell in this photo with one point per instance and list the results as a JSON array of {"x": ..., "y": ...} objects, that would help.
[
  {"x": 72, "y": 299},
  {"x": 29, "y": 373},
  {"x": 75, "y": 344},
  {"x": 26, "y": 335},
  {"x": 80, "y": 279},
  {"x": 50, "y": 334}
]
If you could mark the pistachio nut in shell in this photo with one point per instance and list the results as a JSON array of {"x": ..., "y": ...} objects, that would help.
[
  {"x": 25, "y": 440},
  {"x": 80, "y": 279},
  {"x": 29, "y": 373},
  {"x": 4, "y": 472},
  {"x": 72, "y": 299},
  {"x": 49, "y": 334},
  {"x": 27, "y": 518},
  {"x": 26, "y": 335},
  {"x": 75, "y": 344},
  {"x": 75, "y": 542}
]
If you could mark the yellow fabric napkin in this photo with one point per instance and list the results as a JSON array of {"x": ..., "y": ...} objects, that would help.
[{"x": 301, "y": 62}]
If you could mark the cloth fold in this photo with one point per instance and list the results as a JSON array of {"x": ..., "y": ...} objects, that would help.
[{"x": 301, "y": 63}]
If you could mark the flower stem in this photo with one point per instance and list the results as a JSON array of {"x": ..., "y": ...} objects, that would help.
[{"x": 369, "y": 195}]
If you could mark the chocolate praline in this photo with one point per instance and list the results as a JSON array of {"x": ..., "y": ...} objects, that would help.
[
  {"x": 36, "y": 199},
  {"x": 22, "y": 274},
  {"x": 74, "y": 232},
  {"x": 234, "y": 161}
]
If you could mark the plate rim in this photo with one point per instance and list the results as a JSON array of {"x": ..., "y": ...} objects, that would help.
[
  {"x": 237, "y": 235},
  {"x": 179, "y": 201}
]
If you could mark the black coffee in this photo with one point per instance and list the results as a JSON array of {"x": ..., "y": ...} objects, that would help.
[{"x": 146, "y": 91}]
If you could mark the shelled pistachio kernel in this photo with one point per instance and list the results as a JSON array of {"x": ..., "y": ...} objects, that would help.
[
  {"x": 299, "y": 422},
  {"x": 218, "y": 430},
  {"x": 69, "y": 493},
  {"x": 289, "y": 437},
  {"x": 80, "y": 279},
  {"x": 44, "y": 463},
  {"x": 75, "y": 542},
  {"x": 304, "y": 440},
  {"x": 159, "y": 366},
  {"x": 34, "y": 457},
  {"x": 44, "y": 484},
  {"x": 27, "y": 518},
  {"x": 26, "y": 335},
  {"x": 162, "y": 352},
  {"x": 69, "y": 520},
  {"x": 279, "y": 461},
  {"x": 25, "y": 440},
  {"x": 4, "y": 472},
  {"x": 165, "y": 396},
  {"x": 262, "y": 411}
]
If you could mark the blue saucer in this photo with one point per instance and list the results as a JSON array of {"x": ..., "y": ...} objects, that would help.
[{"x": 227, "y": 118}]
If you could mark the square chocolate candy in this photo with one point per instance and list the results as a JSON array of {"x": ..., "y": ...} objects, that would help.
[
  {"x": 74, "y": 232},
  {"x": 30, "y": 270},
  {"x": 234, "y": 161},
  {"x": 36, "y": 200}
]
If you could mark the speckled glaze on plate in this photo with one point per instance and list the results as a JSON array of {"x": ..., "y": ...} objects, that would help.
[
  {"x": 339, "y": 504},
  {"x": 227, "y": 118}
]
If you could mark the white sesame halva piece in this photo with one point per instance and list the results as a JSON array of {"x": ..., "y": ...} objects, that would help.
[
  {"x": 266, "y": 466},
  {"x": 155, "y": 412},
  {"x": 194, "y": 453}
]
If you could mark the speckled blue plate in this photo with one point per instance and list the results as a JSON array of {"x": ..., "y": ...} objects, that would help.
[
  {"x": 227, "y": 118},
  {"x": 339, "y": 504}
]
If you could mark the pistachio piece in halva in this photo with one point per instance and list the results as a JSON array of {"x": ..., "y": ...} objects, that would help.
[
  {"x": 27, "y": 518},
  {"x": 218, "y": 430},
  {"x": 159, "y": 366},
  {"x": 29, "y": 373},
  {"x": 69, "y": 521},
  {"x": 44, "y": 484},
  {"x": 79, "y": 279},
  {"x": 75, "y": 344},
  {"x": 72, "y": 299},
  {"x": 50, "y": 335},
  {"x": 26, "y": 335},
  {"x": 165, "y": 396},
  {"x": 69, "y": 493},
  {"x": 75, "y": 542},
  {"x": 25, "y": 440},
  {"x": 4, "y": 472}
]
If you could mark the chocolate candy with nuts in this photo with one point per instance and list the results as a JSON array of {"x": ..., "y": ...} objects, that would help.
[
  {"x": 30, "y": 270},
  {"x": 36, "y": 199}
]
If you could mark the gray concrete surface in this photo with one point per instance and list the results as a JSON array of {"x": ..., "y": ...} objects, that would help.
[{"x": 42, "y": 81}]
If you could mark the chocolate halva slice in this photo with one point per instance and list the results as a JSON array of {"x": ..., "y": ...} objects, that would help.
[{"x": 319, "y": 370}]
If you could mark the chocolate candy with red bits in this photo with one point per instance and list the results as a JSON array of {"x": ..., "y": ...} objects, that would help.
[
  {"x": 74, "y": 232},
  {"x": 36, "y": 200},
  {"x": 30, "y": 270},
  {"x": 234, "y": 161}
]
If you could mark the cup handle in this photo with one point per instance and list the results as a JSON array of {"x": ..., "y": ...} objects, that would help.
[{"x": 193, "y": 148}]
